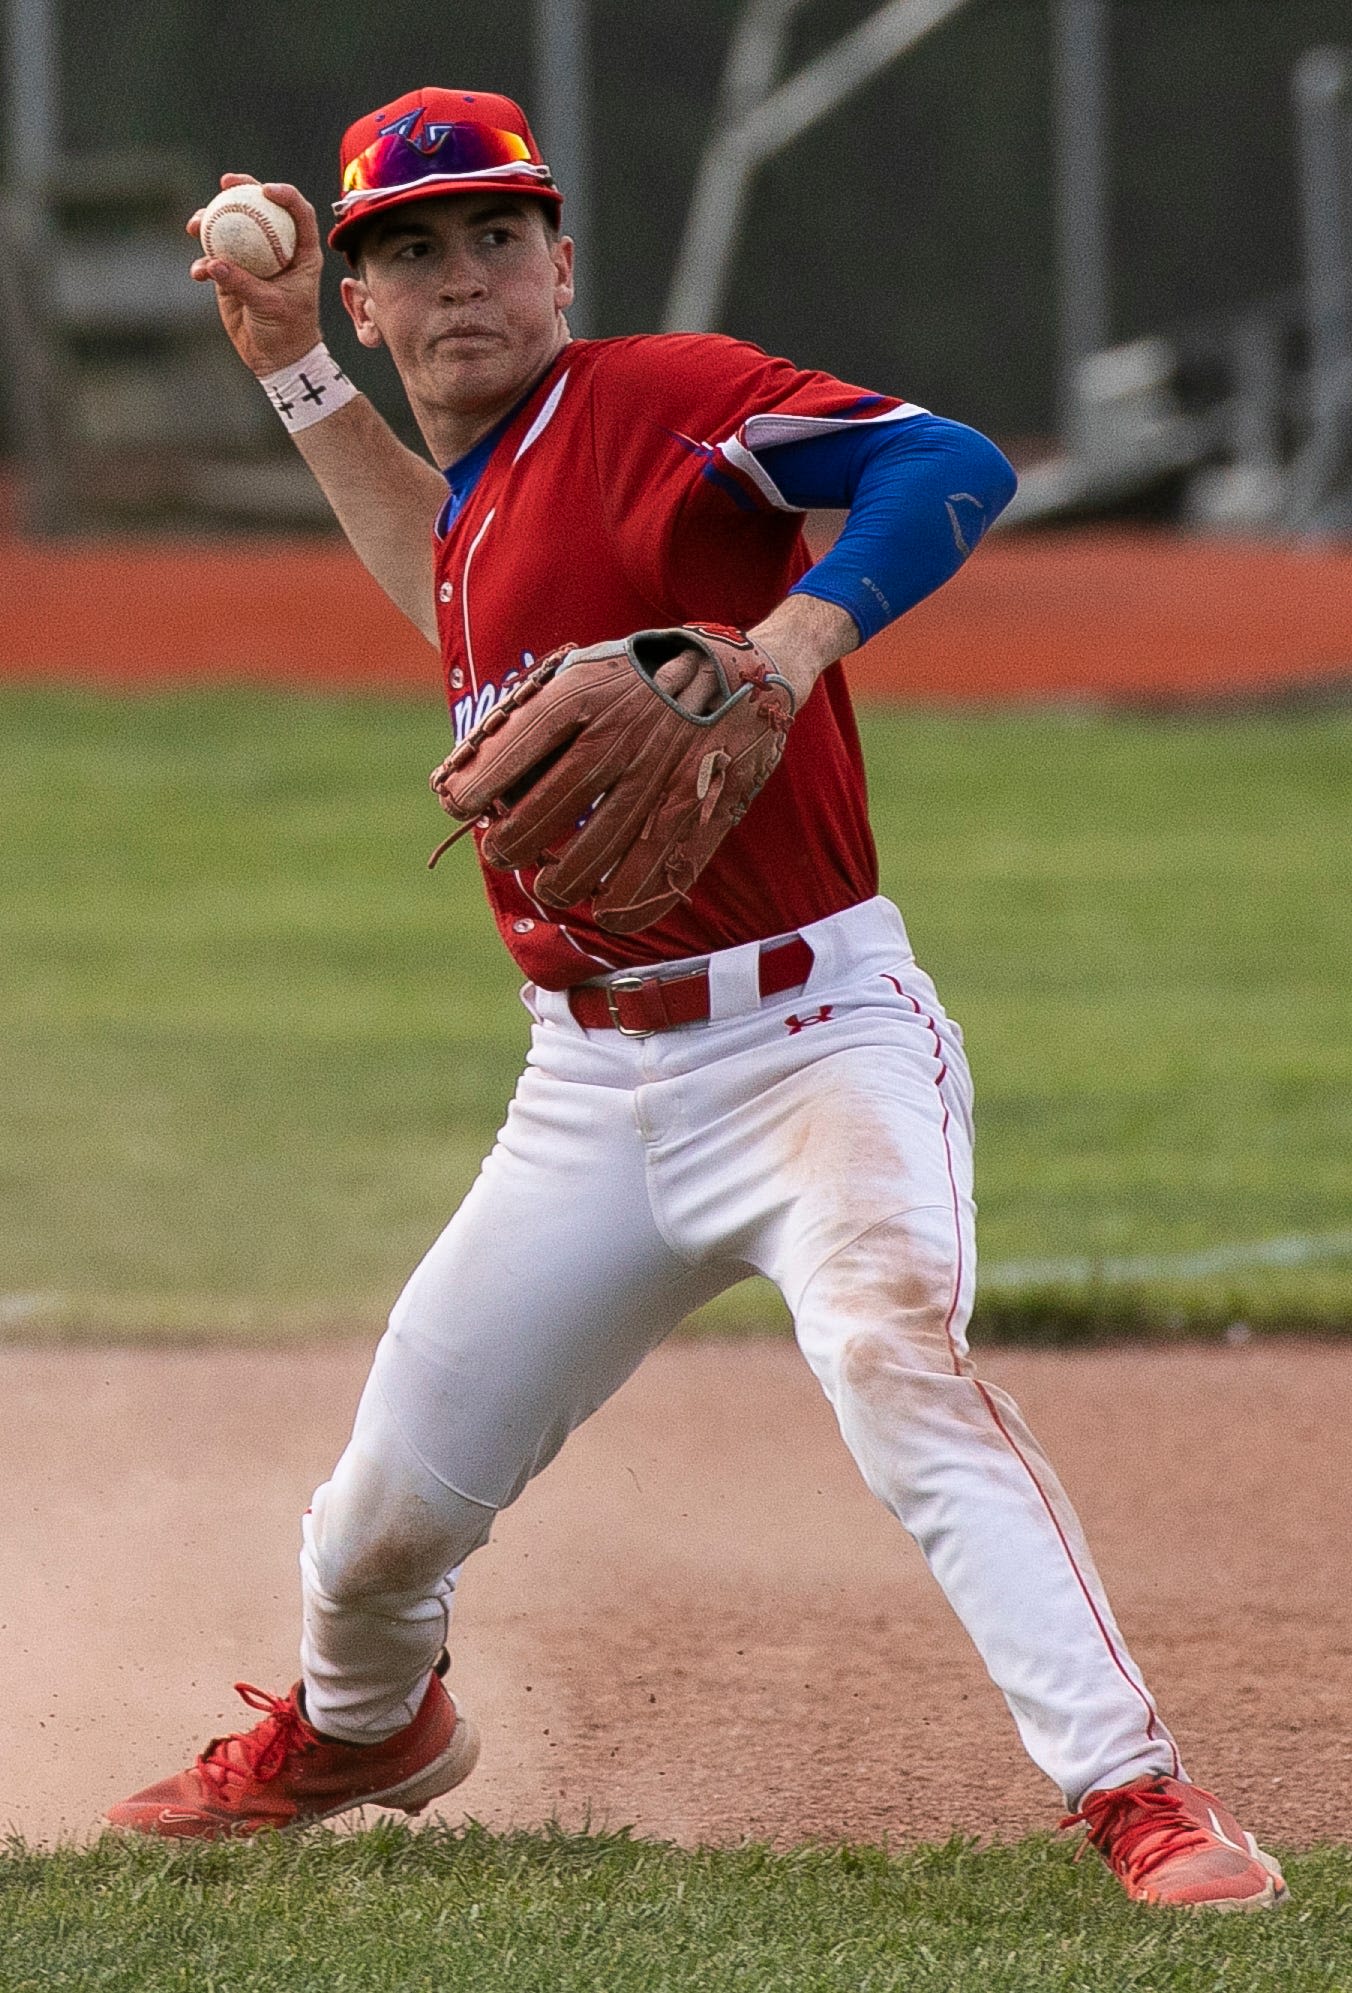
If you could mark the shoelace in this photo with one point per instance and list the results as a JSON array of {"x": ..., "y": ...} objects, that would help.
[
  {"x": 262, "y": 1752},
  {"x": 1135, "y": 1846}
]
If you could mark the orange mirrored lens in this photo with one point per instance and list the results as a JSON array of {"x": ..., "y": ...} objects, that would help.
[{"x": 400, "y": 159}]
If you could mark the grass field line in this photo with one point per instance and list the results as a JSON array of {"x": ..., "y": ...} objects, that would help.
[
  {"x": 18, "y": 1308},
  {"x": 1295, "y": 1249},
  {"x": 1003, "y": 1276}
]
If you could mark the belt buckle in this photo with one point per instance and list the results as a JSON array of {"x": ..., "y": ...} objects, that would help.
[{"x": 631, "y": 981}]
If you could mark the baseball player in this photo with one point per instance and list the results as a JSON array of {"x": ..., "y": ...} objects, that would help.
[{"x": 757, "y": 1076}]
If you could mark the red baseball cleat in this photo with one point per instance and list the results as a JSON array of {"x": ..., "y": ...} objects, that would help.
[
  {"x": 282, "y": 1772},
  {"x": 1170, "y": 1842}
]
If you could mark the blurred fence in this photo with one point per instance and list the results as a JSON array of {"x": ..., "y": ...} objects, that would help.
[{"x": 907, "y": 242}]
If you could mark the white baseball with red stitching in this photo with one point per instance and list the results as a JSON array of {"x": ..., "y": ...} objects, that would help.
[{"x": 244, "y": 227}]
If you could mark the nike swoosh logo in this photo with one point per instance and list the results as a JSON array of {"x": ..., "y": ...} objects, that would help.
[
  {"x": 170, "y": 1817},
  {"x": 1221, "y": 1834}
]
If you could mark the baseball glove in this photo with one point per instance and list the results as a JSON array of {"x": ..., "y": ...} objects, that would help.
[{"x": 591, "y": 770}]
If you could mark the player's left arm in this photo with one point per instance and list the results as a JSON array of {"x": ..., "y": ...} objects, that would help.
[{"x": 919, "y": 494}]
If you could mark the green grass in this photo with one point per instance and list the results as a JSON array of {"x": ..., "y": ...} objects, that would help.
[
  {"x": 253, "y": 1051},
  {"x": 391, "y": 1911}
]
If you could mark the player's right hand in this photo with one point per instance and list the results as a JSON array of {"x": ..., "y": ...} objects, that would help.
[{"x": 272, "y": 321}]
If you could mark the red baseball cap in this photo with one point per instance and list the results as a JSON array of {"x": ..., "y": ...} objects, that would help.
[{"x": 436, "y": 142}]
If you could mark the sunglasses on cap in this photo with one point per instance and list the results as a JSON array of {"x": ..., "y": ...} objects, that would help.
[{"x": 395, "y": 164}]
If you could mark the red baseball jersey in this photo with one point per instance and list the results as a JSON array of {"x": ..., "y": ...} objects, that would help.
[{"x": 624, "y": 495}]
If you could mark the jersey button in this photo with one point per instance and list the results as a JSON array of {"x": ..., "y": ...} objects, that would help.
[
  {"x": 446, "y": 591},
  {"x": 523, "y": 927}
]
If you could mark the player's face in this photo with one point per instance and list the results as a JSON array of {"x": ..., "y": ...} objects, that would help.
[{"x": 468, "y": 292}]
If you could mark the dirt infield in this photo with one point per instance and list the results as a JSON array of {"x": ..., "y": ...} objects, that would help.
[
  {"x": 697, "y": 1622},
  {"x": 1103, "y": 615}
]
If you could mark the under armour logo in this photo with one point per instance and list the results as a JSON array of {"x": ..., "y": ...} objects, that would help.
[{"x": 793, "y": 1025}]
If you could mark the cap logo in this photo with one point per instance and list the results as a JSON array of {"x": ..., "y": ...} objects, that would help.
[{"x": 427, "y": 141}]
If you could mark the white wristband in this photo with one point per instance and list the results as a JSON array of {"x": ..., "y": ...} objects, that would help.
[{"x": 309, "y": 389}]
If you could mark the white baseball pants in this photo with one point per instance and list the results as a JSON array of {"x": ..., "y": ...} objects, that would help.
[{"x": 823, "y": 1138}]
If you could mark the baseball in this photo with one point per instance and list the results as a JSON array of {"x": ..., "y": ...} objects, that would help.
[{"x": 244, "y": 227}]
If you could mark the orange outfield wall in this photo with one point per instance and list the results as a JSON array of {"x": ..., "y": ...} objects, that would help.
[{"x": 1101, "y": 615}]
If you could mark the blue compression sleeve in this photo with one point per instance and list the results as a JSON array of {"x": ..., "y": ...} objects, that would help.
[{"x": 920, "y": 493}]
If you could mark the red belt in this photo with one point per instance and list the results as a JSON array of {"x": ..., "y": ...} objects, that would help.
[{"x": 644, "y": 1000}]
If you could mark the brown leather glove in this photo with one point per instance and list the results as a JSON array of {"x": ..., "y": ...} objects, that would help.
[{"x": 590, "y": 770}]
